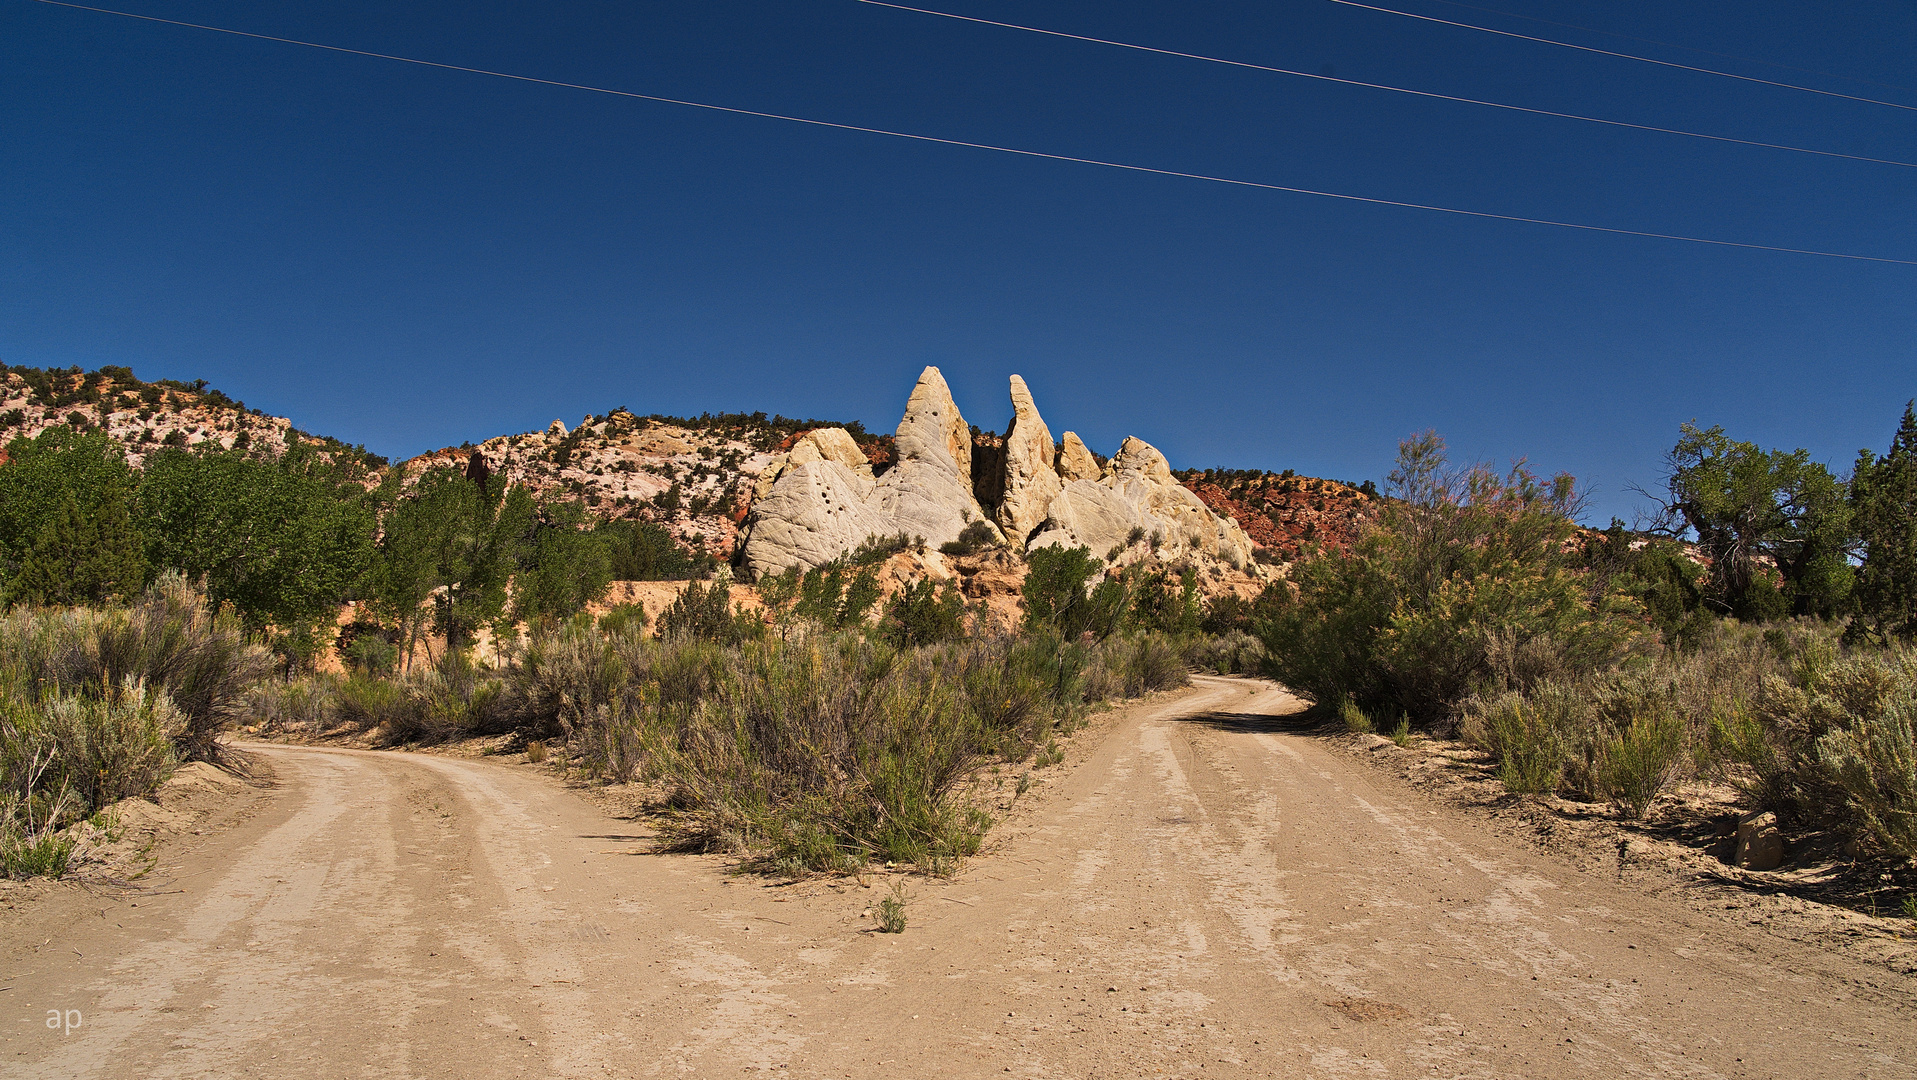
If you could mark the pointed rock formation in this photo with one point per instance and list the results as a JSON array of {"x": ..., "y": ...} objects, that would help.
[
  {"x": 928, "y": 492},
  {"x": 820, "y": 501},
  {"x": 1075, "y": 462},
  {"x": 820, "y": 510},
  {"x": 1031, "y": 483},
  {"x": 932, "y": 430},
  {"x": 1138, "y": 491}
]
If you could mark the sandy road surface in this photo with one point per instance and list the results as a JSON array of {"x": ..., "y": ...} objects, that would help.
[{"x": 1201, "y": 896}]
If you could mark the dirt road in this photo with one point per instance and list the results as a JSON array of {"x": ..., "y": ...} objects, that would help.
[{"x": 1202, "y": 895}]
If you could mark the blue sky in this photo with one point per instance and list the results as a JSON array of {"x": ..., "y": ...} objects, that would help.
[{"x": 410, "y": 257}]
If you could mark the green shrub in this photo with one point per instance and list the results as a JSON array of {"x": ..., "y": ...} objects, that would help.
[
  {"x": 103, "y": 749},
  {"x": 1060, "y": 598},
  {"x": 1526, "y": 746},
  {"x": 1009, "y": 685},
  {"x": 836, "y": 595},
  {"x": 1354, "y": 718},
  {"x": 1151, "y": 663},
  {"x": 450, "y": 700},
  {"x": 623, "y": 619},
  {"x": 1459, "y": 565},
  {"x": 45, "y": 853},
  {"x": 924, "y": 613},
  {"x": 704, "y": 612},
  {"x": 1165, "y": 602},
  {"x": 1231, "y": 653},
  {"x": 646, "y": 551},
  {"x": 891, "y": 913},
  {"x": 1102, "y": 679},
  {"x": 1641, "y": 761},
  {"x": 1400, "y": 732},
  {"x": 363, "y": 703},
  {"x": 972, "y": 539},
  {"x": 166, "y": 641},
  {"x": 372, "y": 654},
  {"x": 309, "y": 704},
  {"x": 876, "y": 549},
  {"x": 821, "y": 753}
]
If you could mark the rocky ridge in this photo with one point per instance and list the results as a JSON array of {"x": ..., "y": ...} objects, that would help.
[
  {"x": 1007, "y": 491},
  {"x": 145, "y": 417},
  {"x": 1283, "y": 513},
  {"x": 695, "y": 478},
  {"x": 704, "y": 478}
]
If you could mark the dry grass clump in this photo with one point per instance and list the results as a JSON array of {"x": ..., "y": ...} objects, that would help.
[
  {"x": 819, "y": 751},
  {"x": 101, "y": 705},
  {"x": 1803, "y": 727}
]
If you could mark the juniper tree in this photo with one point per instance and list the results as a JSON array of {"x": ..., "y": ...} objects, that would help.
[
  {"x": 1884, "y": 497},
  {"x": 82, "y": 557}
]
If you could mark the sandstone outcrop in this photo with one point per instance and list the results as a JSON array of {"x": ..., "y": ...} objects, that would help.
[
  {"x": 821, "y": 500},
  {"x": 820, "y": 510},
  {"x": 928, "y": 491},
  {"x": 819, "y": 444},
  {"x": 815, "y": 513},
  {"x": 1031, "y": 482},
  {"x": 1138, "y": 491},
  {"x": 1075, "y": 462}
]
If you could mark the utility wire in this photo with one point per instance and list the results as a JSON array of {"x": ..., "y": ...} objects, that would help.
[
  {"x": 1144, "y": 169},
  {"x": 1623, "y": 55},
  {"x": 1386, "y": 86},
  {"x": 1674, "y": 45}
]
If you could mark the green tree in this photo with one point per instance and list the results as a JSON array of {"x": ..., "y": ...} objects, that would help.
[
  {"x": 704, "y": 612},
  {"x": 645, "y": 551},
  {"x": 1060, "y": 597},
  {"x": 836, "y": 595},
  {"x": 285, "y": 540},
  {"x": 1747, "y": 506},
  {"x": 1884, "y": 499},
  {"x": 1656, "y": 572},
  {"x": 451, "y": 544},
  {"x": 1168, "y": 603},
  {"x": 82, "y": 557},
  {"x": 569, "y": 566},
  {"x": 924, "y": 613},
  {"x": 40, "y": 475}
]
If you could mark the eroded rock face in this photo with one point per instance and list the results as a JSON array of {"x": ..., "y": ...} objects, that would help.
[
  {"x": 819, "y": 444},
  {"x": 1090, "y": 515},
  {"x": 932, "y": 431},
  {"x": 818, "y": 511},
  {"x": 1075, "y": 461},
  {"x": 813, "y": 514},
  {"x": 928, "y": 492},
  {"x": 1138, "y": 491},
  {"x": 821, "y": 500},
  {"x": 1031, "y": 483}
]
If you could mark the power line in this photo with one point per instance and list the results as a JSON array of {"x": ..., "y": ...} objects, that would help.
[
  {"x": 1674, "y": 45},
  {"x": 1394, "y": 89},
  {"x": 933, "y": 139},
  {"x": 1623, "y": 55}
]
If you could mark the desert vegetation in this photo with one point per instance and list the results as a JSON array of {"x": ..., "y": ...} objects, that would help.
[
  {"x": 1757, "y": 634},
  {"x": 99, "y": 704},
  {"x": 1756, "y": 631},
  {"x": 805, "y": 738}
]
